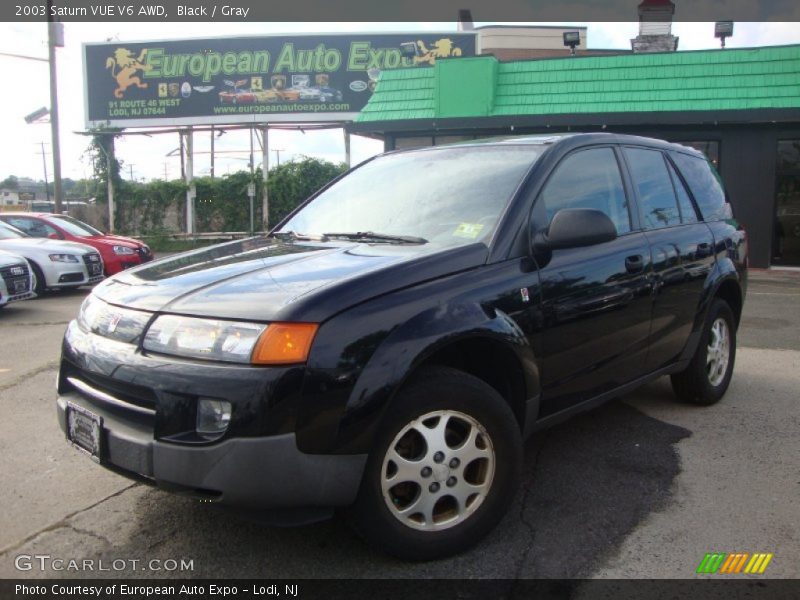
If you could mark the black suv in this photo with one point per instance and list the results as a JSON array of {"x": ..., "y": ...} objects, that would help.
[{"x": 390, "y": 344}]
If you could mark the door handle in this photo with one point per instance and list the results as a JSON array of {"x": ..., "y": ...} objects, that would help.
[{"x": 634, "y": 264}]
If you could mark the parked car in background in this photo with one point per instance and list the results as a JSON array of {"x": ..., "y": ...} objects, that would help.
[
  {"x": 390, "y": 345},
  {"x": 55, "y": 264},
  {"x": 118, "y": 252},
  {"x": 238, "y": 97},
  {"x": 16, "y": 282},
  {"x": 309, "y": 94},
  {"x": 329, "y": 94}
]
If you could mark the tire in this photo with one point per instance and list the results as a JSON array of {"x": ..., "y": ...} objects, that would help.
[
  {"x": 39, "y": 284},
  {"x": 481, "y": 464},
  {"x": 705, "y": 380}
]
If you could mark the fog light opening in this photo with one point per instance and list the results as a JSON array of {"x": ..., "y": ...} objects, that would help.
[{"x": 213, "y": 417}]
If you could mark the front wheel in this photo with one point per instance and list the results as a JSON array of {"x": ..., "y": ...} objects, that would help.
[
  {"x": 708, "y": 375},
  {"x": 443, "y": 470},
  {"x": 39, "y": 284}
]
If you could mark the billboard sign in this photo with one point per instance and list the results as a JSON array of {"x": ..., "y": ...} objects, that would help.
[{"x": 305, "y": 78}]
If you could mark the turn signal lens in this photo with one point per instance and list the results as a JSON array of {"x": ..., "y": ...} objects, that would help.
[{"x": 284, "y": 344}]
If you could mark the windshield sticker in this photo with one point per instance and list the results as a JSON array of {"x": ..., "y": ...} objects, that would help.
[{"x": 468, "y": 230}]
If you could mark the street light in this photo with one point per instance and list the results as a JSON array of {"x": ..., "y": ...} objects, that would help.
[
  {"x": 722, "y": 30},
  {"x": 55, "y": 38},
  {"x": 572, "y": 39}
]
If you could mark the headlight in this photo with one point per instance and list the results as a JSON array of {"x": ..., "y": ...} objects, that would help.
[
  {"x": 230, "y": 341},
  {"x": 124, "y": 250},
  {"x": 203, "y": 338},
  {"x": 67, "y": 258}
]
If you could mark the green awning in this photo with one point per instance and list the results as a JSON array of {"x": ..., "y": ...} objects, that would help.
[{"x": 706, "y": 80}]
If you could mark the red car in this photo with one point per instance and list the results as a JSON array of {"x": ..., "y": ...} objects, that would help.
[{"x": 118, "y": 252}]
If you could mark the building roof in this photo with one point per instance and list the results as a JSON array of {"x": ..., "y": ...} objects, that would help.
[{"x": 673, "y": 82}]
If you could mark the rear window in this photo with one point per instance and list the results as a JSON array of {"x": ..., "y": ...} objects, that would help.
[
  {"x": 656, "y": 195},
  {"x": 705, "y": 186}
]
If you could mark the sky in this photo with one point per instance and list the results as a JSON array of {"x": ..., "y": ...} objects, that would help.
[{"x": 145, "y": 158}]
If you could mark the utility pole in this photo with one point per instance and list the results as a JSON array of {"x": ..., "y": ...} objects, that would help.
[
  {"x": 110, "y": 173},
  {"x": 190, "y": 187},
  {"x": 46, "y": 183},
  {"x": 265, "y": 177},
  {"x": 212, "y": 152},
  {"x": 130, "y": 169},
  {"x": 55, "y": 34},
  {"x": 251, "y": 187},
  {"x": 347, "y": 147}
]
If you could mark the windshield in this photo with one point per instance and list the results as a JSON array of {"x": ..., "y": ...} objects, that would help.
[
  {"x": 75, "y": 227},
  {"x": 7, "y": 232},
  {"x": 446, "y": 196}
]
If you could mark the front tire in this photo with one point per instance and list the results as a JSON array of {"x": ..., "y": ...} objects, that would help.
[
  {"x": 39, "y": 283},
  {"x": 443, "y": 470},
  {"x": 708, "y": 375}
]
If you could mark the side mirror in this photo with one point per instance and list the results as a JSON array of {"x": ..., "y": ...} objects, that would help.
[
  {"x": 575, "y": 228},
  {"x": 54, "y": 236}
]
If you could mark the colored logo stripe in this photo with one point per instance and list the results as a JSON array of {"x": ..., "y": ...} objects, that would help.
[
  {"x": 733, "y": 563},
  {"x": 759, "y": 562},
  {"x": 711, "y": 562}
]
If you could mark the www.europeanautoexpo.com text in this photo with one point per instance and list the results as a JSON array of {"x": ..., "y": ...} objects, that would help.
[{"x": 125, "y": 589}]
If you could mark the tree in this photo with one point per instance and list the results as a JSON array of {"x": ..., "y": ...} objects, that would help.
[
  {"x": 292, "y": 182},
  {"x": 10, "y": 183}
]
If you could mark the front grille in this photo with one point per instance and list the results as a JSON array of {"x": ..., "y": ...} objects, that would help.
[
  {"x": 93, "y": 264},
  {"x": 17, "y": 278},
  {"x": 128, "y": 392},
  {"x": 144, "y": 253}
]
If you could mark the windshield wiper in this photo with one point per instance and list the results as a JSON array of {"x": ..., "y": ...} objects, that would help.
[
  {"x": 293, "y": 235},
  {"x": 378, "y": 237}
]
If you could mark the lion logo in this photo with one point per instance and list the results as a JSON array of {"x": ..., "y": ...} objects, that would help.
[
  {"x": 443, "y": 48},
  {"x": 124, "y": 66}
]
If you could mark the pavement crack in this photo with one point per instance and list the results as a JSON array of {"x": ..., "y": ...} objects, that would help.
[
  {"x": 526, "y": 492},
  {"x": 35, "y": 323},
  {"x": 25, "y": 376},
  {"x": 64, "y": 522},
  {"x": 97, "y": 536}
]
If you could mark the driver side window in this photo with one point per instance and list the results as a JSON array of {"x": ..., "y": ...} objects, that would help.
[{"x": 587, "y": 179}]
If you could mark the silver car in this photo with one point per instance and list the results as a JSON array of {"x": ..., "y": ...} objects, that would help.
[
  {"x": 54, "y": 264},
  {"x": 16, "y": 282}
]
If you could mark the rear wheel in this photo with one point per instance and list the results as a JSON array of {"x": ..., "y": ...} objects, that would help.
[
  {"x": 708, "y": 375},
  {"x": 444, "y": 468}
]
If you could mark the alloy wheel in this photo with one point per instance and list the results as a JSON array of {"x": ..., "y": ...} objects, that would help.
[
  {"x": 718, "y": 352},
  {"x": 438, "y": 470}
]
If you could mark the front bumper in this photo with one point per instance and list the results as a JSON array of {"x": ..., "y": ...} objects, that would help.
[
  {"x": 61, "y": 275},
  {"x": 146, "y": 403},
  {"x": 263, "y": 473}
]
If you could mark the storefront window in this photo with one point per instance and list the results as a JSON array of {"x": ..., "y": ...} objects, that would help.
[
  {"x": 709, "y": 148},
  {"x": 786, "y": 235}
]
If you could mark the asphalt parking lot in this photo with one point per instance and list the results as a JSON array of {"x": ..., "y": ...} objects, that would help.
[{"x": 641, "y": 487}]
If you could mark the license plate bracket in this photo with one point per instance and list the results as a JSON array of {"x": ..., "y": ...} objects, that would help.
[{"x": 85, "y": 431}]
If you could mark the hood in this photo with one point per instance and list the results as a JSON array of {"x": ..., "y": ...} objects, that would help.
[
  {"x": 21, "y": 245},
  {"x": 262, "y": 279},
  {"x": 9, "y": 258},
  {"x": 115, "y": 240}
]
